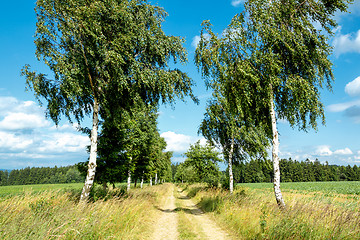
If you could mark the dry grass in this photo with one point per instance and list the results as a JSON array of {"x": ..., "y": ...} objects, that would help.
[
  {"x": 55, "y": 215},
  {"x": 253, "y": 214}
]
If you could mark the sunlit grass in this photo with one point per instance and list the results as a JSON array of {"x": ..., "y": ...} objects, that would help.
[
  {"x": 252, "y": 213},
  {"x": 21, "y": 189},
  {"x": 55, "y": 214},
  {"x": 345, "y": 187}
]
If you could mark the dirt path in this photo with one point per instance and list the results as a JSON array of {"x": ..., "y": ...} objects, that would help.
[
  {"x": 198, "y": 223},
  {"x": 166, "y": 225}
]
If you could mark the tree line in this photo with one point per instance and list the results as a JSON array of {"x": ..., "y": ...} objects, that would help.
[
  {"x": 202, "y": 166},
  {"x": 294, "y": 171},
  {"x": 41, "y": 175}
]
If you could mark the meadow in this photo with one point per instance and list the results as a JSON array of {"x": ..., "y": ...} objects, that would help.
[
  {"x": 53, "y": 212},
  {"x": 313, "y": 210},
  {"x": 6, "y": 191},
  {"x": 348, "y": 188},
  {"x": 328, "y": 210}
]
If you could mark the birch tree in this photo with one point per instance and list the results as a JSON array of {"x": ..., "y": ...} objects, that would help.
[
  {"x": 222, "y": 128},
  {"x": 101, "y": 52},
  {"x": 278, "y": 62}
]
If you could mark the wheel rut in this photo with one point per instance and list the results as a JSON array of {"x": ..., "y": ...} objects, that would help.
[{"x": 201, "y": 225}]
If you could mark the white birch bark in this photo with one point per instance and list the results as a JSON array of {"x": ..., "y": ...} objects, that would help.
[
  {"x": 89, "y": 181},
  {"x": 142, "y": 182},
  {"x": 156, "y": 179},
  {"x": 231, "y": 176},
  {"x": 275, "y": 156},
  {"x": 150, "y": 181},
  {"x": 129, "y": 180}
]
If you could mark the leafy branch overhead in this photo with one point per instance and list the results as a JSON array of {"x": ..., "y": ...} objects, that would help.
[{"x": 104, "y": 56}]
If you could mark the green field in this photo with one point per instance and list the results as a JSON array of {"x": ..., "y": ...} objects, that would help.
[
  {"x": 36, "y": 188},
  {"x": 6, "y": 191},
  {"x": 349, "y": 188}
]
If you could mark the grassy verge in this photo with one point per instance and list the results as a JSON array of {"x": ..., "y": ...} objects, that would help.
[
  {"x": 54, "y": 214},
  {"x": 251, "y": 213}
]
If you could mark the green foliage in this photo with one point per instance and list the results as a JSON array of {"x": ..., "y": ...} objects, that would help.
[
  {"x": 203, "y": 161},
  {"x": 185, "y": 174},
  {"x": 222, "y": 127},
  {"x": 106, "y": 57},
  {"x": 130, "y": 140},
  {"x": 259, "y": 170},
  {"x": 41, "y": 175},
  {"x": 113, "y": 51}
]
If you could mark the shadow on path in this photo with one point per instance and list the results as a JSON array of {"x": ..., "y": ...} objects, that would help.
[{"x": 194, "y": 210}]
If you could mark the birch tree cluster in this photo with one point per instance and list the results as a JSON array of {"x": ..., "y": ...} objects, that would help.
[
  {"x": 105, "y": 58},
  {"x": 109, "y": 60},
  {"x": 270, "y": 63}
]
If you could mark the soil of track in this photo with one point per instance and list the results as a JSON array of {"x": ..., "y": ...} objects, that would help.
[{"x": 166, "y": 226}]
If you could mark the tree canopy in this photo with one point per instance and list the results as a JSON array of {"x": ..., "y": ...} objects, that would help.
[
  {"x": 103, "y": 55},
  {"x": 271, "y": 60},
  {"x": 204, "y": 162}
]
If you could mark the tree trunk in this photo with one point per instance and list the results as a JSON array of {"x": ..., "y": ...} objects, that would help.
[
  {"x": 275, "y": 156},
  {"x": 135, "y": 181},
  {"x": 150, "y": 181},
  {"x": 104, "y": 186},
  {"x": 142, "y": 182},
  {"x": 89, "y": 181},
  {"x": 129, "y": 180},
  {"x": 156, "y": 179},
  {"x": 231, "y": 177}
]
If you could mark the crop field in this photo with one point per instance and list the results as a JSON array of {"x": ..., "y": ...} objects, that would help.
[
  {"x": 347, "y": 188},
  {"x": 36, "y": 188}
]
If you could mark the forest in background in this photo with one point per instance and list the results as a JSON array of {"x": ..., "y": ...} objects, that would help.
[
  {"x": 41, "y": 175},
  {"x": 254, "y": 171}
]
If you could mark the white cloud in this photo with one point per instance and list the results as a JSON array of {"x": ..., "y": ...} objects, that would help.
[
  {"x": 176, "y": 142},
  {"x": 346, "y": 43},
  {"x": 353, "y": 87},
  {"x": 345, "y": 151},
  {"x": 235, "y": 3},
  {"x": 19, "y": 120},
  {"x": 340, "y": 107},
  {"x": 324, "y": 150},
  {"x": 180, "y": 143},
  {"x": 13, "y": 142},
  {"x": 357, "y": 157},
  {"x": 197, "y": 39},
  {"x": 28, "y": 139},
  {"x": 60, "y": 142}
]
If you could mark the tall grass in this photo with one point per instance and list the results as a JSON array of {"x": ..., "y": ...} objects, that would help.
[
  {"x": 344, "y": 187},
  {"x": 253, "y": 214},
  {"x": 55, "y": 214}
]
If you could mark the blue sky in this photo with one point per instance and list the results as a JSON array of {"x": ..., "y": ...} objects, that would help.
[{"x": 28, "y": 139}]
